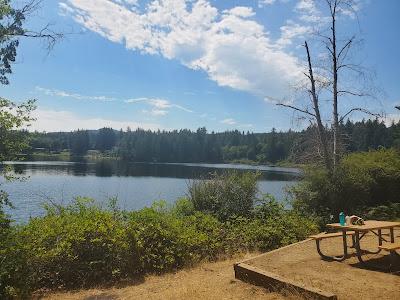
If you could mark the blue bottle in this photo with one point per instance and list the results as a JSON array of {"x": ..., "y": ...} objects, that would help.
[{"x": 342, "y": 219}]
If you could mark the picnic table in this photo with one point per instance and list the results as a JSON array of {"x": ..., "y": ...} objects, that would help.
[{"x": 358, "y": 232}]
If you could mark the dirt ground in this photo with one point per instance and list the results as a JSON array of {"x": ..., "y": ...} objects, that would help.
[
  {"x": 208, "y": 281},
  {"x": 348, "y": 280}
]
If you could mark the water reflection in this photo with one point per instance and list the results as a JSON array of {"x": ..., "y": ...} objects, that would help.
[
  {"x": 109, "y": 168},
  {"x": 134, "y": 184}
]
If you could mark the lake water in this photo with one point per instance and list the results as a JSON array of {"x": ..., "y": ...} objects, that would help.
[{"x": 136, "y": 185}]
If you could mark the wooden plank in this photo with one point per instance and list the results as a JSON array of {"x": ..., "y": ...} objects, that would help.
[
  {"x": 390, "y": 246},
  {"x": 369, "y": 225},
  {"x": 324, "y": 235},
  {"x": 277, "y": 283}
]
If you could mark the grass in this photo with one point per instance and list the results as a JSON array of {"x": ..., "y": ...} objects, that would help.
[{"x": 205, "y": 281}]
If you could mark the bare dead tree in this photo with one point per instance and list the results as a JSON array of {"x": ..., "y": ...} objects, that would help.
[
  {"x": 316, "y": 115},
  {"x": 330, "y": 78},
  {"x": 338, "y": 52}
]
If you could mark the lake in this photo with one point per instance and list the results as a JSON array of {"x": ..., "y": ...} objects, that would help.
[{"x": 136, "y": 185}]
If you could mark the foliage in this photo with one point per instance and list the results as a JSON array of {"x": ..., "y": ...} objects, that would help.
[
  {"x": 384, "y": 212},
  {"x": 79, "y": 245},
  {"x": 15, "y": 279},
  {"x": 13, "y": 117},
  {"x": 229, "y": 194},
  {"x": 83, "y": 244},
  {"x": 366, "y": 179},
  {"x": 11, "y": 21}
]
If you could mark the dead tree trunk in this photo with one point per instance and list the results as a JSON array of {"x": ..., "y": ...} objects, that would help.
[
  {"x": 335, "y": 127},
  {"x": 321, "y": 129}
]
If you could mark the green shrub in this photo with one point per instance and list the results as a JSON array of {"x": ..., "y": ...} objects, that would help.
[
  {"x": 384, "y": 212},
  {"x": 79, "y": 245},
  {"x": 15, "y": 279},
  {"x": 366, "y": 179},
  {"x": 230, "y": 194},
  {"x": 271, "y": 226}
]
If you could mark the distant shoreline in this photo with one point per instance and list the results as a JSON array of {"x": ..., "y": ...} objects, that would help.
[{"x": 66, "y": 156}]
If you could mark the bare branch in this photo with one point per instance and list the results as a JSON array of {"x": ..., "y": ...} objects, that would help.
[
  {"x": 297, "y": 109},
  {"x": 363, "y": 110},
  {"x": 346, "y": 46},
  {"x": 358, "y": 94}
]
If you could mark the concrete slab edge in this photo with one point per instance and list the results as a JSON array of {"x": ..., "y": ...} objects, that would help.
[{"x": 277, "y": 283}]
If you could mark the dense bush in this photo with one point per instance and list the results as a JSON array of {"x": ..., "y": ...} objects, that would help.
[
  {"x": 15, "y": 277},
  {"x": 361, "y": 181},
  {"x": 79, "y": 245},
  {"x": 225, "y": 195},
  {"x": 83, "y": 244},
  {"x": 384, "y": 212}
]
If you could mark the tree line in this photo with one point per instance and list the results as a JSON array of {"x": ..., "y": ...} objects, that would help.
[{"x": 203, "y": 146}]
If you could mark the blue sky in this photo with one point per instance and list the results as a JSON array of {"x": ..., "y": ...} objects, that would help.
[{"x": 185, "y": 64}]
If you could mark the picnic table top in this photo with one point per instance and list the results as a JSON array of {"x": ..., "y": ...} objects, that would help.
[{"x": 369, "y": 225}]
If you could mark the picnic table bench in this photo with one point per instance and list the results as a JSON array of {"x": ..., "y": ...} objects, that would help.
[
  {"x": 325, "y": 235},
  {"x": 390, "y": 246}
]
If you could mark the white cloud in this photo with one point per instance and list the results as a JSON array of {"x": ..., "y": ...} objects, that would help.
[
  {"x": 60, "y": 93},
  {"x": 240, "y": 11},
  {"x": 52, "y": 120},
  {"x": 160, "y": 107},
  {"x": 290, "y": 31},
  {"x": 262, "y": 3},
  {"x": 309, "y": 11},
  {"x": 229, "y": 121},
  {"x": 391, "y": 118},
  {"x": 232, "y": 48},
  {"x": 233, "y": 122}
]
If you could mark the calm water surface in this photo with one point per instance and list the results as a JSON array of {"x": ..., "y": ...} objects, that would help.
[{"x": 135, "y": 184}]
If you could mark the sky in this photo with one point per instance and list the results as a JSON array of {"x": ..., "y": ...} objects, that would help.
[{"x": 172, "y": 64}]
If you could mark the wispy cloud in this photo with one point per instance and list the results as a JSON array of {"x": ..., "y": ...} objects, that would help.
[
  {"x": 160, "y": 107},
  {"x": 262, "y": 3},
  {"x": 61, "y": 93},
  {"x": 292, "y": 30},
  {"x": 233, "y": 122},
  {"x": 229, "y": 121},
  {"x": 53, "y": 120}
]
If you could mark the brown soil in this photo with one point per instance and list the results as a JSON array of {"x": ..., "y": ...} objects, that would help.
[
  {"x": 348, "y": 280},
  {"x": 208, "y": 281}
]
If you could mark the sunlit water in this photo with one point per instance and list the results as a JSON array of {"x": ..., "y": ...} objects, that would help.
[{"x": 136, "y": 185}]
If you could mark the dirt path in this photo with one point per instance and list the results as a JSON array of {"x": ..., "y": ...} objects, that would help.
[{"x": 208, "y": 281}]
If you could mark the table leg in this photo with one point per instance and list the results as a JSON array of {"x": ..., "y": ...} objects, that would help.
[
  {"x": 391, "y": 235},
  {"x": 380, "y": 236},
  {"x": 344, "y": 244},
  {"x": 393, "y": 253},
  {"x": 335, "y": 258},
  {"x": 358, "y": 247}
]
